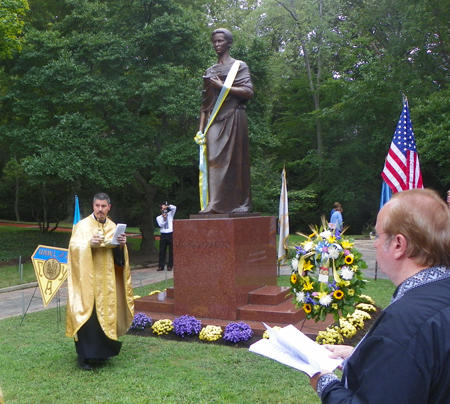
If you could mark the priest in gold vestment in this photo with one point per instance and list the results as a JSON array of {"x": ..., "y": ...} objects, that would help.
[{"x": 100, "y": 295}]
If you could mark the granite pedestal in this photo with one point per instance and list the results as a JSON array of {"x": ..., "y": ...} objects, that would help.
[{"x": 218, "y": 261}]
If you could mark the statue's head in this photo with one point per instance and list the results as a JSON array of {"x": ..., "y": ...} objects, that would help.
[{"x": 227, "y": 34}]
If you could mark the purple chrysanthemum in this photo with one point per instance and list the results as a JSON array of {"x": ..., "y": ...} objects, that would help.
[
  {"x": 186, "y": 325},
  {"x": 235, "y": 332},
  {"x": 141, "y": 321}
]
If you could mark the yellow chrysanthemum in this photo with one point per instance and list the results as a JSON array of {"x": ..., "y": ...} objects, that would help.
[
  {"x": 367, "y": 299},
  {"x": 331, "y": 239},
  {"x": 266, "y": 333},
  {"x": 162, "y": 326},
  {"x": 210, "y": 333},
  {"x": 307, "y": 266},
  {"x": 346, "y": 244},
  {"x": 366, "y": 307}
]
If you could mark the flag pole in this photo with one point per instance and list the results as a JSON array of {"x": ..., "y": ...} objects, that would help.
[{"x": 283, "y": 223}]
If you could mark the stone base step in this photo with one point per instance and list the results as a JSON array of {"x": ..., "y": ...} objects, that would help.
[
  {"x": 152, "y": 303},
  {"x": 271, "y": 295},
  {"x": 285, "y": 313}
]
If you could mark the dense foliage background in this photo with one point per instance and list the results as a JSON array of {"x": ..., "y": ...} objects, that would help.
[{"x": 105, "y": 95}]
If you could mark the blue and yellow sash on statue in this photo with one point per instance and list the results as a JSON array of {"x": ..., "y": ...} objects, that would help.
[{"x": 200, "y": 138}]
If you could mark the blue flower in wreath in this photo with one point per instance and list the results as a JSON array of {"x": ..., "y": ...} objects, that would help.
[
  {"x": 321, "y": 245},
  {"x": 332, "y": 285},
  {"x": 308, "y": 298}
]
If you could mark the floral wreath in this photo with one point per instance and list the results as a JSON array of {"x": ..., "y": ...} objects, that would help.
[{"x": 326, "y": 273}]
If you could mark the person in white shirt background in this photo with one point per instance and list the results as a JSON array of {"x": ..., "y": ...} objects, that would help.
[{"x": 165, "y": 223}]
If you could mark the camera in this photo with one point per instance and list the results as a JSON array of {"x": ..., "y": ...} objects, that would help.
[{"x": 167, "y": 208}]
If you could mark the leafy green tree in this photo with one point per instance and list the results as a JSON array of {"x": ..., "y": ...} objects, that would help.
[
  {"x": 11, "y": 17},
  {"x": 86, "y": 101}
]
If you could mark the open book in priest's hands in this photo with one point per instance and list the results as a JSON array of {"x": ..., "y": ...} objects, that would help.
[{"x": 291, "y": 347}]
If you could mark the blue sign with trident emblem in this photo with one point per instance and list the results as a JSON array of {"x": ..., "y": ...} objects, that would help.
[{"x": 50, "y": 266}]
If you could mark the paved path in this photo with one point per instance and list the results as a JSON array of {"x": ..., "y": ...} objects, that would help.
[{"x": 17, "y": 300}]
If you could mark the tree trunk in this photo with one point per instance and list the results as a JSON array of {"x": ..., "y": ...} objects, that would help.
[
  {"x": 314, "y": 87},
  {"x": 146, "y": 195},
  {"x": 16, "y": 201}
]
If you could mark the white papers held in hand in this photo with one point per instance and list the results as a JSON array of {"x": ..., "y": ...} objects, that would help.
[
  {"x": 291, "y": 347},
  {"x": 120, "y": 228}
]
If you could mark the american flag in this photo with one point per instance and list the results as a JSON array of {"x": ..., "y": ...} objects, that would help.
[{"x": 402, "y": 169}]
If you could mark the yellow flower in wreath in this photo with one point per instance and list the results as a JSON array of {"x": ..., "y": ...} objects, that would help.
[
  {"x": 294, "y": 278},
  {"x": 343, "y": 284},
  {"x": 346, "y": 244},
  {"x": 308, "y": 285},
  {"x": 307, "y": 307},
  {"x": 307, "y": 266},
  {"x": 338, "y": 294},
  {"x": 349, "y": 259}
]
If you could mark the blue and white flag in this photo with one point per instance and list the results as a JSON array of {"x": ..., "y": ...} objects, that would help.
[
  {"x": 76, "y": 214},
  {"x": 283, "y": 221}
]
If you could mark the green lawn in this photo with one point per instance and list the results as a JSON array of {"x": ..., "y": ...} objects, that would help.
[{"x": 38, "y": 365}]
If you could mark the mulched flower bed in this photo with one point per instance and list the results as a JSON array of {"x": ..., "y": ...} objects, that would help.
[
  {"x": 148, "y": 332},
  {"x": 360, "y": 333}
]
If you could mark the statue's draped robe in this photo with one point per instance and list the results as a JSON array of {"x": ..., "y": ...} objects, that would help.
[
  {"x": 228, "y": 144},
  {"x": 100, "y": 295}
]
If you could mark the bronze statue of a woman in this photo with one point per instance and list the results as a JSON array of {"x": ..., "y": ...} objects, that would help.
[{"x": 227, "y": 137}]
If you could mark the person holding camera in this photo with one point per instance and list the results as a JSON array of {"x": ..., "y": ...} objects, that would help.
[{"x": 165, "y": 223}]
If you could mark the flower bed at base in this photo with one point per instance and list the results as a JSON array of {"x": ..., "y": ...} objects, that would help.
[
  {"x": 148, "y": 332},
  {"x": 360, "y": 333}
]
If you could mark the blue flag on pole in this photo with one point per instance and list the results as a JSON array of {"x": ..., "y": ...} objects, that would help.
[
  {"x": 76, "y": 214},
  {"x": 386, "y": 194}
]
